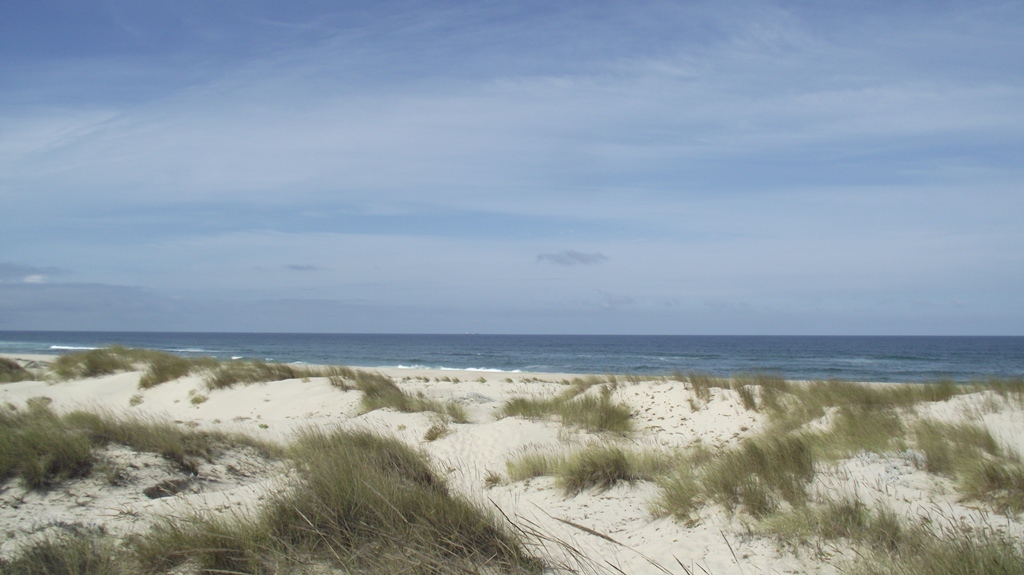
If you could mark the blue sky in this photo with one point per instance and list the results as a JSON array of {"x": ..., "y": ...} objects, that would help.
[{"x": 513, "y": 167}]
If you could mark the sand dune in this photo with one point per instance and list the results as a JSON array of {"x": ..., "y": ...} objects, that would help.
[{"x": 612, "y": 527}]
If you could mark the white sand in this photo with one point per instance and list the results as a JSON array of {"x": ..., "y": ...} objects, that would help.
[{"x": 718, "y": 544}]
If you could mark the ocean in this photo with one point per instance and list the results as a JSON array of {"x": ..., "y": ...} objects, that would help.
[{"x": 852, "y": 358}]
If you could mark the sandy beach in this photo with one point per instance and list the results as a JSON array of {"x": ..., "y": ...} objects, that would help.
[{"x": 619, "y": 528}]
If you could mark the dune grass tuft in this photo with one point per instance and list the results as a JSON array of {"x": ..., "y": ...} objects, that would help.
[
  {"x": 948, "y": 447},
  {"x": 74, "y": 551},
  {"x": 600, "y": 413},
  {"x": 95, "y": 362},
  {"x": 885, "y": 543},
  {"x": 437, "y": 430},
  {"x": 364, "y": 503},
  {"x": 11, "y": 371},
  {"x": 575, "y": 407},
  {"x": 380, "y": 391},
  {"x": 230, "y": 373},
  {"x": 599, "y": 467},
  {"x": 999, "y": 481},
  {"x": 164, "y": 367},
  {"x": 701, "y": 384},
  {"x": 41, "y": 447},
  {"x": 157, "y": 366},
  {"x": 755, "y": 477},
  {"x": 969, "y": 454},
  {"x": 760, "y": 474},
  {"x": 958, "y": 549},
  {"x": 532, "y": 463},
  {"x": 849, "y": 519},
  {"x": 858, "y": 429}
]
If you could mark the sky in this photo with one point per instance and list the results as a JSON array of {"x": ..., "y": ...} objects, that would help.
[{"x": 646, "y": 167}]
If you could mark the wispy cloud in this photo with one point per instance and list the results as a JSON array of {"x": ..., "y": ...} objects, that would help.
[
  {"x": 572, "y": 258},
  {"x": 16, "y": 273},
  {"x": 425, "y": 154}
]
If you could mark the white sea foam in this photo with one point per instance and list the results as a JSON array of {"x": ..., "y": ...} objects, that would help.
[
  {"x": 492, "y": 370},
  {"x": 71, "y": 347},
  {"x": 480, "y": 369}
]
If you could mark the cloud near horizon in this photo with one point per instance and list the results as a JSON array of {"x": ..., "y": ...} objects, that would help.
[
  {"x": 570, "y": 258},
  {"x": 16, "y": 273}
]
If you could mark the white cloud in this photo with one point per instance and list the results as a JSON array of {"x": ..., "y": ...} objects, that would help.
[{"x": 571, "y": 258}]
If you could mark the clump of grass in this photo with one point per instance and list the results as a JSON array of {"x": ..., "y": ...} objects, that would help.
[
  {"x": 36, "y": 447},
  {"x": 1000, "y": 482},
  {"x": 231, "y": 373},
  {"x": 163, "y": 367},
  {"x": 847, "y": 518},
  {"x": 41, "y": 447},
  {"x": 760, "y": 474},
  {"x": 600, "y": 467},
  {"x": 701, "y": 384},
  {"x": 533, "y": 463},
  {"x": 858, "y": 429},
  {"x": 73, "y": 551},
  {"x": 771, "y": 386},
  {"x": 793, "y": 406},
  {"x": 595, "y": 466},
  {"x": 11, "y": 371},
  {"x": 339, "y": 376},
  {"x": 364, "y": 503},
  {"x": 591, "y": 412},
  {"x": 958, "y": 550},
  {"x": 948, "y": 447},
  {"x": 682, "y": 494},
  {"x": 456, "y": 412},
  {"x": 492, "y": 480},
  {"x": 159, "y": 366},
  {"x": 969, "y": 454},
  {"x": 746, "y": 394},
  {"x": 198, "y": 399},
  {"x": 1011, "y": 389},
  {"x": 755, "y": 477},
  {"x": 599, "y": 413},
  {"x": 529, "y": 407},
  {"x": 437, "y": 430},
  {"x": 885, "y": 543},
  {"x": 95, "y": 362},
  {"x": 636, "y": 379},
  {"x": 181, "y": 446},
  {"x": 380, "y": 391}
]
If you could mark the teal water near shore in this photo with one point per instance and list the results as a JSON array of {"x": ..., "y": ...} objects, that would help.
[{"x": 855, "y": 358}]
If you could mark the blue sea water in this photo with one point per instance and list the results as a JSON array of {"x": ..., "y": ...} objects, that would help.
[
  {"x": 854, "y": 358},
  {"x": 811, "y": 357}
]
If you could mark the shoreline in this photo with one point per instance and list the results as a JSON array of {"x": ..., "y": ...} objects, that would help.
[
  {"x": 467, "y": 374},
  {"x": 868, "y": 358}
]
